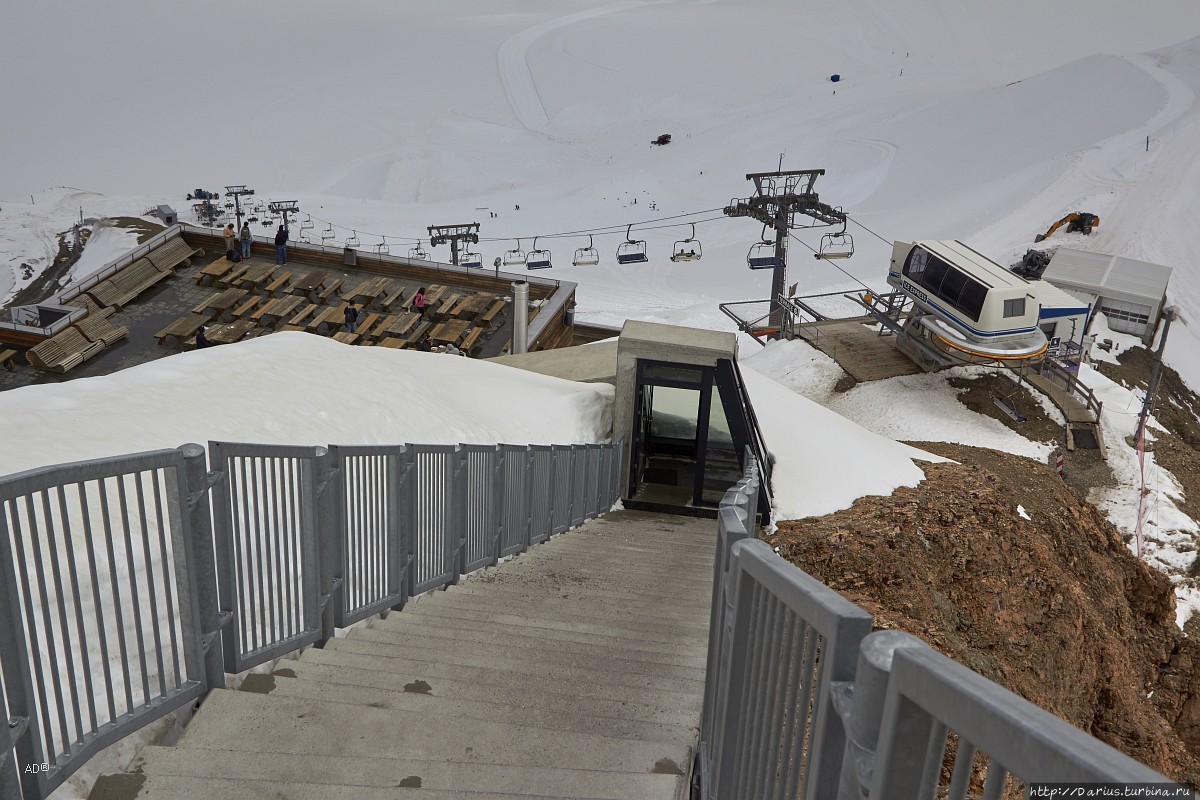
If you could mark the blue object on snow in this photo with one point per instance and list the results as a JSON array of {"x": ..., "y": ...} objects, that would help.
[{"x": 835, "y": 77}]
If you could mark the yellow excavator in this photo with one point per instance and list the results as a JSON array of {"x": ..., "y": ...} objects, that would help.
[{"x": 1078, "y": 221}]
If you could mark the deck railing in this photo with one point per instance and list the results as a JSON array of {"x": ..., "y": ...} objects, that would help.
[
  {"x": 130, "y": 586},
  {"x": 803, "y": 701}
]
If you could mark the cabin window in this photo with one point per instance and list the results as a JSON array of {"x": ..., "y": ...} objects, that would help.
[
  {"x": 1014, "y": 307},
  {"x": 947, "y": 283}
]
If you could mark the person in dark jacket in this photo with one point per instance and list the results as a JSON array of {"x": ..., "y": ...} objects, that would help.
[
  {"x": 247, "y": 239},
  {"x": 425, "y": 346},
  {"x": 351, "y": 318},
  {"x": 202, "y": 340},
  {"x": 281, "y": 237}
]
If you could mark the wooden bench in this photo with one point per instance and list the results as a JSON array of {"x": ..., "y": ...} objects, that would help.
[
  {"x": 292, "y": 328},
  {"x": 6, "y": 358},
  {"x": 220, "y": 302},
  {"x": 276, "y": 309},
  {"x": 63, "y": 351},
  {"x": 418, "y": 333},
  {"x": 329, "y": 289},
  {"x": 99, "y": 329},
  {"x": 393, "y": 298},
  {"x": 167, "y": 256},
  {"x": 334, "y": 316},
  {"x": 450, "y": 301},
  {"x": 125, "y": 286},
  {"x": 298, "y": 322},
  {"x": 365, "y": 323},
  {"x": 214, "y": 271},
  {"x": 248, "y": 306},
  {"x": 229, "y": 332},
  {"x": 394, "y": 342},
  {"x": 253, "y": 275},
  {"x": 345, "y": 337},
  {"x": 230, "y": 279},
  {"x": 489, "y": 317},
  {"x": 93, "y": 308},
  {"x": 183, "y": 328},
  {"x": 471, "y": 344},
  {"x": 278, "y": 284}
]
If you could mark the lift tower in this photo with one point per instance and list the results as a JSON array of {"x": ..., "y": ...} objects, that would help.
[
  {"x": 284, "y": 208},
  {"x": 453, "y": 234},
  {"x": 778, "y": 197},
  {"x": 236, "y": 193}
]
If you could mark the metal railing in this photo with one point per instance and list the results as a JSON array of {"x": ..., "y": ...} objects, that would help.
[
  {"x": 803, "y": 701},
  {"x": 130, "y": 586}
]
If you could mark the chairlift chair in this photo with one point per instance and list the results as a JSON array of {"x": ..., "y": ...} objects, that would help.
[
  {"x": 307, "y": 225},
  {"x": 688, "y": 249},
  {"x": 762, "y": 255},
  {"x": 352, "y": 240},
  {"x": 631, "y": 251},
  {"x": 471, "y": 260},
  {"x": 836, "y": 245},
  {"x": 382, "y": 248},
  {"x": 514, "y": 258},
  {"x": 537, "y": 259},
  {"x": 587, "y": 256},
  {"x": 327, "y": 233},
  {"x": 418, "y": 252}
]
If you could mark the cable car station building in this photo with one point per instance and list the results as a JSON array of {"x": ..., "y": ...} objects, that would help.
[{"x": 1130, "y": 293}]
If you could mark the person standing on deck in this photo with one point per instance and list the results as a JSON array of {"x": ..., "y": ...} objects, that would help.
[
  {"x": 230, "y": 238},
  {"x": 351, "y": 318},
  {"x": 418, "y": 302},
  {"x": 247, "y": 239},
  {"x": 281, "y": 237}
]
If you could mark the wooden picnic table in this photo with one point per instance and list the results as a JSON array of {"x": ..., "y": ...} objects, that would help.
[
  {"x": 229, "y": 332},
  {"x": 393, "y": 342},
  {"x": 346, "y": 337},
  {"x": 449, "y": 331},
  {"x": 255, "y": 274},
  {"x": 447, "y": 303},
  {"x": 220, "y": 302},
  {"x": 433, "y": 295},
  {"x": 473, "y": 305},
  {"x": 394, "y": 295},
  {"x": 333, "y": 315},
  {"x": 401, "y": 324},
  {"x": 311, "y": 282},
  {"x": 277, "y": 309},
  {"x": 183, "y": 328},
  {"x": 368, "y": 291},
  {"x": 214, "y": 271}
]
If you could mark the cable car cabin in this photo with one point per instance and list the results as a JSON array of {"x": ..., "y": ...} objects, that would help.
[
  {"x": 973, "y": 303},
  {"x": 762, "y": 256}
]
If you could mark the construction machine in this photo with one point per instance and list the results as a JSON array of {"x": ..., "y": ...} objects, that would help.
[{"x": 1077, "y": 221}]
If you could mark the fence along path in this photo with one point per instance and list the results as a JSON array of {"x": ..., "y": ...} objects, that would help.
[{"x": 575, "y": 671}]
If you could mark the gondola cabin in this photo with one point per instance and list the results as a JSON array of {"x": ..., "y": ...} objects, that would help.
[{"x": 971, "y": 302}]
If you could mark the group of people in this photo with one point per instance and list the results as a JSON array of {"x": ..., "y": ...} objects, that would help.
[{"x": 237, "y": 245}]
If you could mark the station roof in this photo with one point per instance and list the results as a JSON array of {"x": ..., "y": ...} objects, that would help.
[
  {"x": 973, "y": 262},
  {"x": 1108, "y": 275}
]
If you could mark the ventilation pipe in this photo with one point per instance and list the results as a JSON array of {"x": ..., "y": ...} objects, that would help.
[{"x": 520, "y": 294}]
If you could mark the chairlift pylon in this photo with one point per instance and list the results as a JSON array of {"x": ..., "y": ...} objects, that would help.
[
  {"x": 352, "y": 240},
  {"x": 688, "y": 249},
  {"x": 631, "y": 251},
  {"x": 418, "y": 252},
  {"x": 836, "y": 245},
  {"x": 762, "y": 255},
  {"x": 587, "y": 256},
  {"x": 538, "y": 259},
  {"x": 514, "y": 258}
]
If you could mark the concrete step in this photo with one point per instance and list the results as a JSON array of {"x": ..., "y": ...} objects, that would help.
[
  {"x": 522, "y": 656},
  {"x": 403, "y": 630},
  {"x": 431, "y": 611},
  {"x": 126, "y": 786},
  {"x": 568, "y": 609},
  {"x": 381, "y": 777},
  {"x": 537, "y": 665},
  {"x": 467, "y": 710},
  {"x": 550, "y": 697},
  {"x": 268, "y": 724},
  {"x": 636, "y": 689}
]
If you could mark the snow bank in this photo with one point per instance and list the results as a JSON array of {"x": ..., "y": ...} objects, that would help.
[
  {"x": 295, "y": 388},
  {"x": 823, "y": 461}
]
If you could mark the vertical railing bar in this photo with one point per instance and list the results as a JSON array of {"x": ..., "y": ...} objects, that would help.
[
  {"x": 290, "y": 523},
  {"x": 797, "y": 709},
  {"x": 134, "y": 590},
  {"x": 766, "y": 695},
  {"x": 168, "y": 591},
  {"x": 246, "y": 565},
  {"x": 279, "y": 538},
  {"x": 993, "y": 786},
  {"x": 370, "y": 534},
  {"x": 67, "y": 639},
  {"x": 237, "y": 541},
  {"x": 116, "y": 592},
  {"x": 351, "y": 538},
  {"x": 933, "y": 759},
  {"x": 753, "y": 672},
  {"x": 151, "y": 587},
  {"x": 35, "y": 651},
  {"x": 89, "y": 690},
  {"x": 264, "y": 495},
  {"x": 97, "y": 604},
  {"x": 268, "y": 514},
  {"x": 256, "y": 549},
  {"x": 960, "y": 778},
  {"x": 808, "y": 667},
  {"x": 362, "y": 523},
  {"x": 780, "y": 697}
]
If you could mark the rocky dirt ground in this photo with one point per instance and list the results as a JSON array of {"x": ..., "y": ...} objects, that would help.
[{"x": 1054, "y": 608}]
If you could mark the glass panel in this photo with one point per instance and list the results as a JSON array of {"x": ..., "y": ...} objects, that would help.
[
  {"x": 674, "y": 413},
  {"x": 669, "y": 372},
  {"x": 721, "y": 467}
]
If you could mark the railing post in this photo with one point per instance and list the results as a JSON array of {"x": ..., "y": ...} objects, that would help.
[
  {"x": 22, "y": 727},
  {"x": 406, "y": 544},
  {"x": 457, "y": 512},
  {"x": 326, "y": 474},
  {"x": 528, "y": 488},
  {"x": 863, "y": 711},
  {"x": 10, "y": 778},
  {"x": 500, "y": 500},
  {"x": 198, "y": 482}
]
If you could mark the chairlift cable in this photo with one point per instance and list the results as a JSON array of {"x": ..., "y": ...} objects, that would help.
[
  {"x": 835, "y": 266},
  {"x": 868, "y": 230}
]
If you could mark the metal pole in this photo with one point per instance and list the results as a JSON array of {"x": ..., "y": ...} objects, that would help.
[
  {"x": 520, "y": 340},
  {"x": 454, "y": 252},
  {"x": 203, "y": 563},
  {"x": 1155, "y": 374},
  {"x": 779, "y": 277}
]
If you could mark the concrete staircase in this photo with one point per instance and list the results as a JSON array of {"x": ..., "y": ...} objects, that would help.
[{"x": 573, "y": 671}]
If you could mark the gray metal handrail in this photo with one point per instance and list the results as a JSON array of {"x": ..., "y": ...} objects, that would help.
[
  {"x": 802, "y": 701},
  {"x": 179, "y": 571}
]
